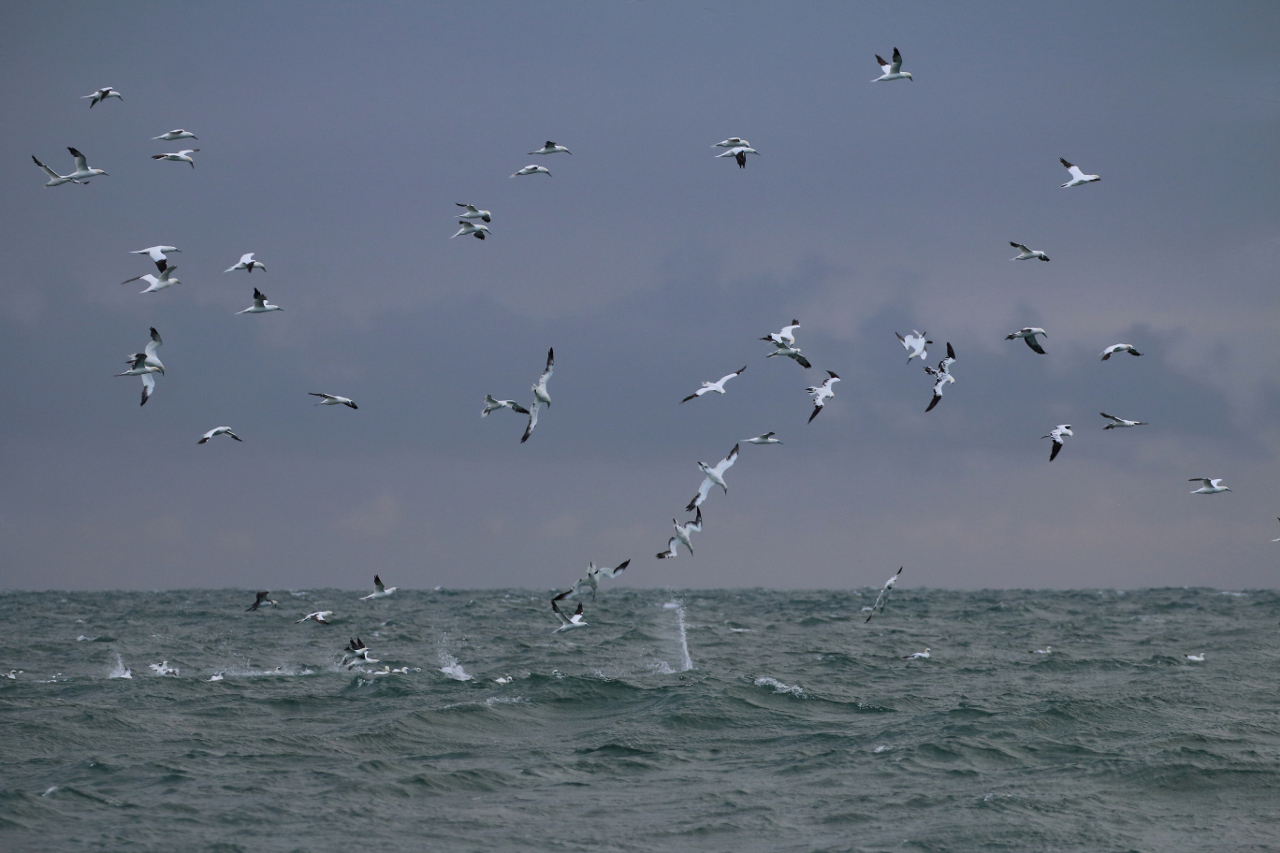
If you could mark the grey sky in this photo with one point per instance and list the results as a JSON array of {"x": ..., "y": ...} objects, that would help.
[{"x": 335, "y": 140}]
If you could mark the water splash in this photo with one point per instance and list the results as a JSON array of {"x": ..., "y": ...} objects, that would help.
[
  {"x": 686, "y": 662},
  {"x": 449, "y": 666},
  {"x": 779, "y": 687},
  {"x": 119, "y": 670}
]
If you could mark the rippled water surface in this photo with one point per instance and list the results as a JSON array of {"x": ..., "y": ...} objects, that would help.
[{"x": 744, "y": 720}]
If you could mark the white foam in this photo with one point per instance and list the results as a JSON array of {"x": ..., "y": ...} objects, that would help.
[
  {"x": 451, "y": 667},
  {"x": 83, "y": 639},
  {"x": 119, "y": 670},
  {"x": 51, "y": 790},
  {"x": 882, "y": 748},
  {"x": 779, "y": 687}
]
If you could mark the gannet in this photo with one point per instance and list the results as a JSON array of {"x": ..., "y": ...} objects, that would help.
[
  {"x": 672, "y": 549},
  {"x": 1059, "y": 435},
  {"x": 732, "y": 142},
  {"x": 157, "y": 254},
  {"x": 532, "y": 170},
  {"x": 766, "y": 438},
  {"x": 1120, "y": 422},
  {"x": 81, "y": 175},
  {"x": 892, "y": 70},
  {"x": 941, "y": 375},
  {"x": 1197, "y": 658},
  {"x": 592, "y": 579},
  {"x": 1115, "y": 348},
  {"x": 883, "y": 598},
  {"x": 540, "y": 387},
  {"x": 222, "y": 430},
  {"x": 470, "y": 211},
  {"x": 792, "y": 353},
  {"x": 574, "y": 621},
  {"x": 260, "y": 304},
  {"x": 170, "y": 136},
  {"x": 739, "y": 154},
  {"x": 379, "y": 591},
  {"x": 154, "y": 284},
  {"x": 12, "y": 674},
  {"x": 358, "y": 652},
  {"x": 787, "y": 336},
  {"x": 1077, "y": 177},
  {"x": 713, "y": 477},
  {"x": 917, "y": 655},
  {"x": 1210, "y": 487},
  {"x": 321, "y": 616},
  {"x": 683, "y": 530},
  {"x": 163, "y": 668},
  {"x": 717, "y": 386},
  {"x": 552, "y": 148},
  {"x": 822, "y": 393},
  {"x": 1028, "y": 334},
  {"x": 492, "y": 405},
  {"x": 915, "y": 344},
  {"x": 144, "y": 364},
  {"x": 150, "y": 351},
  {"x": 262, "y": 599},
  {"x": 1027, "y": 254},
  {"x": 183, "y": 156},
  {"x": 332, "y": 400},
  {"x": 533, "y": 421},
  {"x": 1047, "y": 650},
  {"x": 217, "y": 676},
  {"x": 101, "y": 95},
  {"x": 247, "y": 263},
  {"x": 475, "y": 230}
]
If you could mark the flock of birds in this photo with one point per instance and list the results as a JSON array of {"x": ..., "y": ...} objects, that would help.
[{"x": 473, "y": 221}]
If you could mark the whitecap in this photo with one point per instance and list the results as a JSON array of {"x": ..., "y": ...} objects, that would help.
[
  {"x": 779, "y": 687},
  {"x": 52, "y": 789},
  {"x": 882, "y": 748},
  {"x": 83, "y": 639},
  {"x": 119, "y": 670}
]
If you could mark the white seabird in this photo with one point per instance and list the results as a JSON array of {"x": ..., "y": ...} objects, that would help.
[
  {"x": 892, "y": 70},
  {"x": 592, "y": 579},
  {"x": 171, "y": 135},
  {"x": 552, "y": 148},
  {"x": 941, "y": 376},
  {"x": 154, "y": 284},
  {"x": 540, "y": 387},
  {"x": 1197, "y": 658},
  {"x": 1077, "y": 177},
  {"x": 1027, "y": 254},
  {"x": 822, "y": 393},
  {"x": 332, "y": 400},
  {"x": 321, "y": 616},
  {"x": 55, "y": 180},
  {"x": 157, "y": 254},
  {"x": 492, "y": 405},
  {"x": 732, "y": 142},
  {"x": 574, "y": 621},
  {"x": 1120, "y": 422},
  {"x": 786, "y": 337},
  {"x": 924, "y": 655},
  {"x": 470, "y": 211},
  {"x": 216, "y": 431},
  {"x": 144, "y": 364},
  {"x": 915, "y": 344},
  {"x": 739, "y": 154},
  {"x": 81, "y": 175},
  {"x": 183, "y": 156},
  {"x": 1059, "y": 435},
  {"x": 533, "y": 421},
  {"x": 261, "y": 599},
  {"x": 883, "y": 598},
  {"x": 1210, "y": 487},
  {"x": 260, "y": 304},
  {"x": 101, "y": 95},
  {"x": 477, "y": 230},
  {"x": 713, "y": 477},
  {"x": 379, "y": 590},
  {"x": 247, "y": 263},
  {"x": 765, "y": 438},
  {"x": 1115, "y": 348},
  {"x": 717, "y": 386},
  {"x": 1028, "y": 334},
  {"x": 790, "y": 352},
  {"x": 672, "y": 549},
  {"x": 1047, "y": 650},
  {"x": 163, "y": 668},
  {"x": 532, "y": 170},
  {"x": 683, "y": 530}
]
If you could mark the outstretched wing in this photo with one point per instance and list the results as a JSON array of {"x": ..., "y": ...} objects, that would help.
[{"x": 533, "y": 422}]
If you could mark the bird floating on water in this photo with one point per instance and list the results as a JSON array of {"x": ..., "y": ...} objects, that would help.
[
  {"x": 739, "y": 154},
  {"x": 171, "y": 135},
  {"x": 1077, "y": 177},
  {"x": 1027, "y": 254},
  {"x": 183, "y": 156},
  {"x": 154, "y": 284},
  {"x": 822, "y": 393},
  {"x": 1210, "y": 487},
  {"x": 216, "y": 431},
  {"x": 492, "y": 405},
  {"x": 333, "y": 400},
  {"x": 101, "y": 95},
  {"x": 915, "y": 344},
  {"x": 1197, "y": 658},
  {"x": 1028, "y": 334},
  {"x": 470, "y": 211},
  {"x": 477, "y": 230},
  {"x": 1120, "y": 422},
  {"x": 1115, "y": 348},
  {"x": 247, "y": 263},
  {"x": 163, "y": 668},
  {"x": 379, "y": 590},
  {"x": 262, "y": 599},
  {"x": 532, "y": 170},
  {"x": 941, "y": 375},
  {"x": 157, "y": 254},
  {"x": 1059, "y": 435},
  {"x": 924, "y": 655},
  {"x": 1047, "y": 650},
  {"x": 892, "y": 70},
  {"x": 766, "y": 438},
  {"x": 713, "y": 477},
  {"x": 260, "y": 304},
  {"x": 786, "y": 337},
  {"x": 883, "y": 598},
  {"x": 321, "y": 616},
  {"x": 717, "y": 386}
]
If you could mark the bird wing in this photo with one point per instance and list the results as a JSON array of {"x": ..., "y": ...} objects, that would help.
[
  {"x": 697, "y": 393},
  {"x": 246, "y": 258},
  {"x": 148, "y": 387},
  {"x": 1020, "y": 247},
  {"x": 47, "y": 170},
  {"x": 897, "y": 62},
  {"x": 802, "y": 361},
  {"x": 551, "y": 362},
  {"x": 1057, "y": 445},
  {"x": 724, "y": 379},
  {"x": 884, "y": 65},
  {"x": 154, "y": 344},
  {"x": 671, "y": 549},
  {"x": 703, "y": 491},
  {"x": 1109, "y": 417},
  {"x": 377, "y": 584},
  {"x": 1034, "y": 344},
  {"x": 82, "y": 165},
  {"x": 533, "y": 421},
  {"x": 326, "y": 396},
  {"x": 726, "y": 463}
]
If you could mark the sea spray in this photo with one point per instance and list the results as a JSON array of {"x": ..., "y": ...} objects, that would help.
[
  {"x": 686, "y": 662},
  {"x": 119, "y": 670}
]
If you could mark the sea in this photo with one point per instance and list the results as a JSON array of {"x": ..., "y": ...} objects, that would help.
[{"x": 678, "y": 720}]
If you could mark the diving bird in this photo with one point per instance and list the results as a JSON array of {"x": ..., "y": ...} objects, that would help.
[
  {"x": 262, "y": 599},
  {"x": 892, "y": 70},
  {"x": 470, "y": 211},
  {"x": 592, "y": 579},
  {"x": 1210, "y": 487},
  {"x": 883, "y": 598},
  {"x": 332, "y": 400},
  {"x": 672, "y": 550},
  {"x": 216, "y": 431},
  {"x": 154, "y": 284},
  {"x": 170, "y": 136},
  {"x": 1115, "y": 348},
  {"x": 1027, "y": 254},
  {"x": 379, "y": 591},
  {"x": 157, "y": 254},
  {"x": 941, "y": 375},
  {"x": 1077, "y": 177},
  {"x": 260, "y": 304},
  {"x": 822, "y": 393},
  {"x": 683, "y": 530},
  {"x": 321, "y": 616},
  {"x": 739, "y": 154},
  {"x": 492, "y": 405},
  {"x": 247, "y": 263},
  {"x": 766, "y": 438},
  {"x": 732, "y": 142},
  {"x": 787, "y": 336},
  {"x": 1028, "y": 334},
  {"x": 915, "y": 344},
  {"x": 183, "y": 156},
  {"x": 713, "y": 477},
  {"x": 101, "y": 95},
  {"x": 1059, "y": 435},
  {"x": 924, "y": 655},
  {"x": 717, "y": 386},
  {"x": 574, "y": 621},
  {"x": 475, "y": 230},
  {"x": 540, "y": 387},
  {"x": 790, "y": 352},
  {"x": 552, "y": 148},
  {"x": 1120, "y": 422},
  {"x": 532, "y": 170}
]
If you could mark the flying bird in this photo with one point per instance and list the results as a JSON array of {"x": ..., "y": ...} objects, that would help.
[
  {"x": 101, "y": 95},
  {"x": 379, "y": 590},
  {"x": 469, "y": 228},
  {"x": 1077, "y": 177},
  {"x": 260, "y": 304},
  {"x": 766, "y": 438},
  {"x": 1120, "y": 422},
  {"x": 171, "y": 135},
  {"x": 1115, "y": 348},
  {"x": 321, "y": 616},
  {"x": 1027, "y": 254},
  {"x": 183, "y": 156},
  {"x": 261, "y": 600},
  {"x": 822, "y": 393},
  {"x": 1028, "y": 334},
  {"x": 790, "y": 352},
  {"x": 55, "y": 180},
  {"x": 892, "y": 70},
  {"x": 915, "y": 344},
  {"x": 739, "y": 154},
  {"x": 492, "y": 405},
  {"x": 786, "y": 337},
  {"x": 574, "y": 621},
  {"x": 713, "y": 477},
  {"x": 533, "y": 421},
  {"x": 154, "y": 284},
  {"x": 157, "y": 254},
  {"x": 356, "y": 652},
  {"x": 216, "y": 431},
  {"x": 717, "y": 386},
  {"x": 332, "y": 400},
  {"x": 470, "y": 211},
  {"x": 81, "y": 175},
  {"x": 540, "y": 387},
  {"x": 144, "y": 364},
  {"x": 592, "y": 579},
  {"x": 532, "y": 170},
  {"x": 1059, "y": 435},
  {"x": 941, "y": 375},
  {"x": 683, "y": 530},
  {"x": 1210, "y": 487},
  {"x": 552, "y": 148},
  {"x": 883, "y": 598},
  {"x": 732, "y": 142},
  {"x": 247, "y": 263}
]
